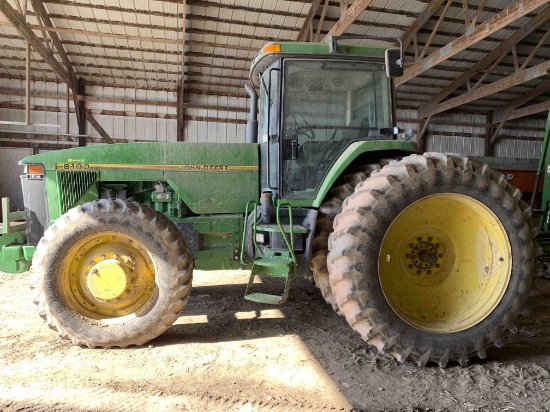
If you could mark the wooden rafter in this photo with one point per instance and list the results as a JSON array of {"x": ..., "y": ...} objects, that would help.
[
  {"x": 434, "y": 31},
  {"x": 348, "y": 16},
  {"x": 480, "y": 9},
  {"x": 307, "y": 26},
  {"x": 321, "y": 20},
  {"x": 420, "y": 21},
  {"x": 511, "y": 13},
  {"x": 497, "y": 86},
  {"x": 498, "y": 52},
  {"x": 41, "y": 12},
  {"x": 500, "y": 114},
  {"x": 542, "y": 41},
  {"x": 194, "y": 30},
  {"x": 98, "y": 127},
  {"x": 180, "y": 127},
  {"x": 529, "y": 110},
  {"x": 19, "y": 23},
  {"x": 510, "y": 112}
]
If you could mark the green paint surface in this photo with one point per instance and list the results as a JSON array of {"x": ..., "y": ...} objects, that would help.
[{"x": 209, "y": 178}]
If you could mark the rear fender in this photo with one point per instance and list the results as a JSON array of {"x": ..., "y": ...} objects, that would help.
[{"x": 375, "y": 149}]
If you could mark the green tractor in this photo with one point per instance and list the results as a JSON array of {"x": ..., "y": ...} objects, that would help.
[{"x": 429, "y": 257}]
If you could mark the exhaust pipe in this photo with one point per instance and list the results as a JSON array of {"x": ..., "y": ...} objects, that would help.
[{"x": 252, "y": 124}]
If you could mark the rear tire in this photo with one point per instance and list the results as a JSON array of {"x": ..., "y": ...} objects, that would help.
[
  {"x": 442, "y": 205},
  {"x": 331, "y": 206},
  {"x": 111, "y": 273}
]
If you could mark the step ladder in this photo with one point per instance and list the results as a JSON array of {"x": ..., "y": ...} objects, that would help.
[{"x": 273, "y": 264}]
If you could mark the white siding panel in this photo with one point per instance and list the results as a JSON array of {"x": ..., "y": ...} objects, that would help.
[{"x": 10, "y": 185}]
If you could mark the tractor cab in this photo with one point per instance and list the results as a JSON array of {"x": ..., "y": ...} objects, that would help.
[
  {"x": 312, "y": 105},
  {"x": 316, "y": 100}
]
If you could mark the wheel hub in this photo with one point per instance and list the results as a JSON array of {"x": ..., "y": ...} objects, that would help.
[
  {"x": 108, "y": 279},
  {"x": 444, "y": 263},
  {"x": 425, "y": 255},
  {"x": 110, "y": 275}
]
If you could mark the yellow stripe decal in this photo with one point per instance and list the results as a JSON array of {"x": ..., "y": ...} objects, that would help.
[{"x": 176, "y": 168}]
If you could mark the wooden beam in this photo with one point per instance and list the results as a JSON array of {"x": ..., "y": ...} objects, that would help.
[
  {"x": 502, "y": 49},
  {"x": 499, "y": 114},
  {"x": 28, "y": 86},
  {"x": 98, "y": 127},
  {"x": 530, "y": 110},
  {"x": 421, "y": 138},
  {"x": 420, "y": 21},
  {"x": 180, "y": 132},
  {"x": 518, "y": 9},
  {"x": 302, "y": 35},
  {"x": 478, "y": 12},
  {"x": 497, "y": 86},
  {"x": 19, "y": 23},
  {"x": 542, "y": 41},
  {"x": 435, "y": 29},
  {"x": 488, "y": 150},
  {"x": 348, "y": 17},
  {"x": 41, "y": 12},
  {"x": 321, "y": 20},
  {"x": 113, "y": 100},
  {"x": 80, "y": 110}
]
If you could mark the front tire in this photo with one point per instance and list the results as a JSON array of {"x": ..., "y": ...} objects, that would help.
[
  {"x": 432, "y": 257},
  {"x": 111, "y": 273}
]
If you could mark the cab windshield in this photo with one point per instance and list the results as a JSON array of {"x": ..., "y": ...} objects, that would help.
[{"x": 326, "y": 106}]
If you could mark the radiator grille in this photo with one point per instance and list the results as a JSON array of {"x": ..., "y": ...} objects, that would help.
[{"x": 72, "y": 185}]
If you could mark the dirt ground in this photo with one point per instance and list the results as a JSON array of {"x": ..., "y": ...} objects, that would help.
[{"x": 228, "y": 354}]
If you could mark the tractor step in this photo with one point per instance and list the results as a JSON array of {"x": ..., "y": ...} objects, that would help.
[
  {"x": 265, "y": 298},
  {"x": 272, "y": 266},
  {"x": 275, "y": 228}
]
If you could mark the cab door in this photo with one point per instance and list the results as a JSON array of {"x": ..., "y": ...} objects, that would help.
[{"x": 269, "y": 133}]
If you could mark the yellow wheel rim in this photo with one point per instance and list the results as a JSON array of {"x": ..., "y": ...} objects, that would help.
[
  {"x": 108, "y": 275},
  {"x": 445, "y": 263}
]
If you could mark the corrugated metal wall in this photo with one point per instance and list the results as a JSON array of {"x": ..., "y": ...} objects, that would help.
[
  {"x": 209, "y": 131},
  {"x": 453, "y": 133},
  {"x": 10, "y": 171},
  {"x": 130, "y": 122}
]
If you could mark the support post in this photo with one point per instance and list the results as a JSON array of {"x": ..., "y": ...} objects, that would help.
[
  {"x": 28, "y": 86},
  {"x": 67, "y": 111},
  {"x": 81, "y": 109},
  {"x": 421, "y": 138},
  {"x": 489, "y": 131},
  {"x": 180, "y": 137},
  {"x": 180, "y": 114}
]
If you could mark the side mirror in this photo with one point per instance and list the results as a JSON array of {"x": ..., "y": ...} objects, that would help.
[{"x": 394, "y": 63}]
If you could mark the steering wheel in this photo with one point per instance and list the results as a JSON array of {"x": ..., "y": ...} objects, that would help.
[{"x": 305, "y": 128}]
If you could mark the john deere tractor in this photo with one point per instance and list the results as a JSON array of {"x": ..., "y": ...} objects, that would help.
[{"x": 429, "y": 257}]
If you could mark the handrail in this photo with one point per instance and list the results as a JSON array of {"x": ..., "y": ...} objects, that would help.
[
  {"x": 243, "y": 242},
  {"x": 289, "y": 245}
]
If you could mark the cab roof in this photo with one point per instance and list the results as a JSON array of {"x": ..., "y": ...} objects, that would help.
[{"x": 275, "y": 50}]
